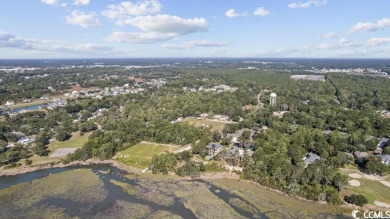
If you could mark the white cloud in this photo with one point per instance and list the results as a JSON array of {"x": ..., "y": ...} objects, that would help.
[
  {"x": 329, "y": 35},
  {"x": 157, "y": 28},
  {"x": 11, "y": 41},
  {"x": 49, "y": 2},
  {"x": 231, "y": 13},
  {"x": 369, "y": 27},
  {"x": 126, "y": 9},
  {"x": 81, "y": 2},
  {"x": 261, "y": 12},
  {"x": 307, "y": 4},
  {"x": 82, "y": 19},
  {"x": 64, "y": 4},
  {"x": 143, "y": 37},
  {"x": 166, "y": 24},
  {"x": 343, "y": 41},
  {"x": 378, "y": 41},
  {"x": 195, "y": 44}
]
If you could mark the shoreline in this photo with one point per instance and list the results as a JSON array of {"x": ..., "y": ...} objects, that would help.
[
  {"x": 18, "y": 171},
  {"x": 206, "y": 176}
]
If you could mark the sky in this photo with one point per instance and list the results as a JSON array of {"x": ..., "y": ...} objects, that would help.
[{"x": 45, "y": 29}]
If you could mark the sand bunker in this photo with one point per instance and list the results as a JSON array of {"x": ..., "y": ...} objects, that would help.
[
  {"x": 381, "y": 204},
  {"x": 354, "y": 182},
  {"x": 386, "y": 183},
  {"x": 62, "y": 152},
  {"x": 355, "y": 175}
]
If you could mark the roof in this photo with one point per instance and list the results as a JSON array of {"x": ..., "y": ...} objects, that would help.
[
  {"x": 311, "y": 158},
  {"x": 214, "y": 146},
  {"x": 385, "y": 158},
  {"x": 383, "y": 142},
  {"x": 359, "y": 154}
]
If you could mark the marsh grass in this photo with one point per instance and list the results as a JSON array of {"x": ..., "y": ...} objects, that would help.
[
  {"x": 131, "y": 190},
  {"x": 277, "y": 204}
]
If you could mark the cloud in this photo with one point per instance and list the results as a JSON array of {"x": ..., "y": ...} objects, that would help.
[
  {"x": 12, "y": 41},
  {"x": 378, "y": 41},
  {"x": 329, "y": 35},
  {"x": 126, "y": 9},
  {"x": 143, "y": 37},
  {"x": 166, "y": 24},
  {"x": 307, "y": 4},
  {"x": 231, "y": 13},
  {"x": 369, "y": 27},
  {"x": 195, "y": 44},
  {"x": 343, "y": 41},
  {"x": 82, "y": 19},
  {"x": 81, "y": 2},
  {"x": 64, "y": 4},
  {"x": 261, "y": 12},
  {"x": 49, "y": 2}
]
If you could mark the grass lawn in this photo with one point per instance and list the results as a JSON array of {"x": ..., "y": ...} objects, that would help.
[
  {"x": 372, "y": 189},
  {"x": 214, "y": 166},
  {"x": 214, "y": 124},
  {"x": 18, "y": 105},
  {"x": 76, "y": 141},
  {"x": 141, "y": 154}
]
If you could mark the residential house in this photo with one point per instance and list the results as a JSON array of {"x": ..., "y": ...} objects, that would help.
[
  {"x": 24, "y": 140},
  {"x": 383, "y": 142},
  {"x": 385, "y": 159},
  {"x": 310, "y": 159},
  {"x": 360, "y": 155},
  {"x": 10, "y": 103},
  {"x": 213, "y": 149}
]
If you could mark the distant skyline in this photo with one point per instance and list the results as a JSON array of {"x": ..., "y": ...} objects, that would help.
[{"x": 44, "y": 29}]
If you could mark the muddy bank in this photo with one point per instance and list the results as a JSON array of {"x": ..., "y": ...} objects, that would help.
[{"x": 27, "y": 169}]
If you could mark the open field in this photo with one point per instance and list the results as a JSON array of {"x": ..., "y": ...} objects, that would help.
[
  {"x": 369, "y": 186},
  {"x": 278, "y": 205},
  {"x": 78, "y": 88},
  {"x": 141, "y": 154},
  {"x": 76, "y": 141},
  {"x": 36, "y": 102},
  {"x": 215, "y": 124}
]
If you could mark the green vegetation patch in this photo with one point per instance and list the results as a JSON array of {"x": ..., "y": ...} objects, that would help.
[
  {"x": 280, "y": 205},
  {"x": 242, "y": 205},
  {"x": 140, "y": 155},
  {"x": 76, "y": 141},
  {"x": 214, "y": 124},
  {"x": 163, "y": 214},
  {"x": 123, "y": 209},
  {"x": 126, "y": 187},
  {"x": 214, "y": 166},
  {"x": 23, "y": 196}
]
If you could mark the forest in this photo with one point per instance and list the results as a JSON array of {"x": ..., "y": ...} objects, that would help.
[{"x": 332, "y": 119}]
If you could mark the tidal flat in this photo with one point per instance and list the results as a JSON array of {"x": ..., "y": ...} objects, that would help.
[{"x": 102, "y": 191}]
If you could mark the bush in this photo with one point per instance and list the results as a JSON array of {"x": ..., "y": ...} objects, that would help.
[
  {"x": 189, "y": 169},
  {"x": 358, "y": 200},
  {"x": 28, "y": 162}
]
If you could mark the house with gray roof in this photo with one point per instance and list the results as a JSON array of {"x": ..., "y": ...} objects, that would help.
[
  {"x": 310, "y": 159},
  {"x": 385, "y": 159},
  {"x": 213, "y": 148}
]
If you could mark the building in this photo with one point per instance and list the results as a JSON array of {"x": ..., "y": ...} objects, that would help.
[
  {"x": 310, "y": 159},
  {"x": 272, "y": 99},
  {"x": 10, "y": 103},
  {"x": 213, "y": 149},
  {"x": 385, "y": 159},
  {"x": 383, "y": 142},
  {"x": 360, "y": 155},
  {"x": 24, "y": 140}
]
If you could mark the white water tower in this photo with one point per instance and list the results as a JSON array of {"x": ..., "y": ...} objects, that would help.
[{"x": 272, "y": 99}]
